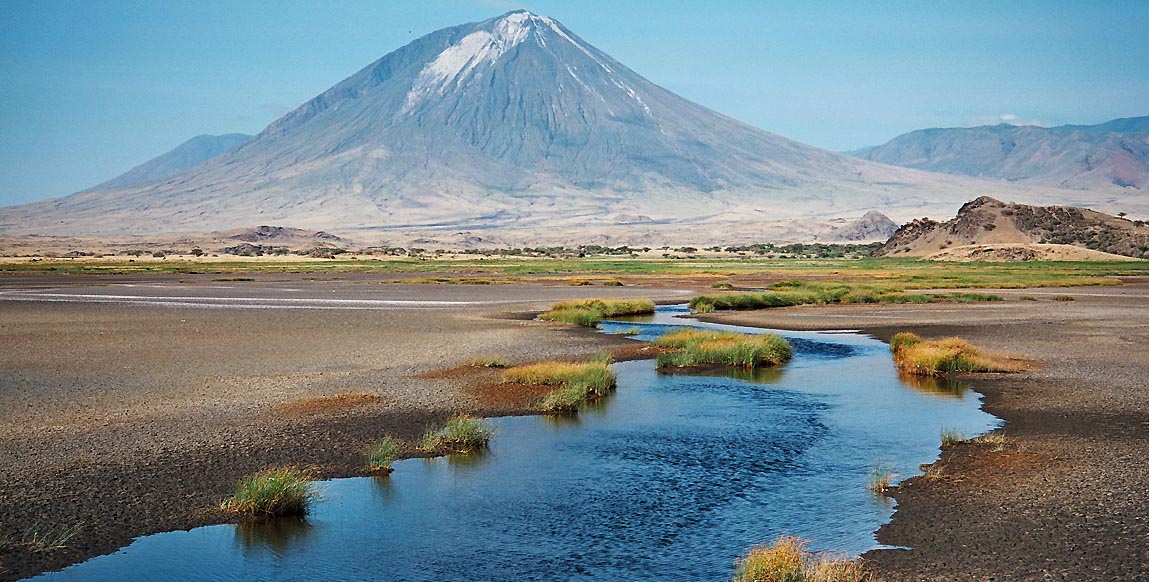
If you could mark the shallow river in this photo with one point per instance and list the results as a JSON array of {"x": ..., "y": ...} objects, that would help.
[{"x": 671, "y": 478}]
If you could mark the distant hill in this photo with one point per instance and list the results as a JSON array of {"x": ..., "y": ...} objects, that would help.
[
  {"x": 1111, "y": 155},
  {"x": 185, "y": 156},
  {"x": 988, "y": 228},
  {"x": 872, "y": 226}
]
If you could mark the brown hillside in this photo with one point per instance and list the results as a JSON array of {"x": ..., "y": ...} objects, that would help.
[{"x": 989, "y": 223}]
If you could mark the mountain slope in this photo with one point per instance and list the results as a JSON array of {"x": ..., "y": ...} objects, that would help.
[
  {"x": 510, "y": 126},
  {"x": 991, "y": 226},
  {"x": 1110, "y": 155},
  {"x": 185, "y": 156}
]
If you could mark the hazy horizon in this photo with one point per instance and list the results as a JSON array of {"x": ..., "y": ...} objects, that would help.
[{"x": 91, "y": 90}]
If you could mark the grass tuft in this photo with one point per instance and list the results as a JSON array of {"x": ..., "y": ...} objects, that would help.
[
  {"x": 273, "y": 493},
  {"x": 879, "y": 480},
  {"x": 919, "y": 357},
  {"x": 589, "y": 312},
  {"x": 1062, "y": 298},
  {"x": 382, "y": 454},
  {"x": 951, "y": 437},
  {"x": 575, "y": 383},
  {"x": 43, "y": 538},
  {"x": 488, "y": 361},
  {"x": 788, "y": 560},
  {"x": 697, "y": 348},
  {"x": 461, "y": 434}
]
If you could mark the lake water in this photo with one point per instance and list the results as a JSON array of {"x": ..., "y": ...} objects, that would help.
[{"x": 670, "y": 478}]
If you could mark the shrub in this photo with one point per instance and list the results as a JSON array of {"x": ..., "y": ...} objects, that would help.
[
  {"x": 693, "y": 348},
  {"x": 273, "y": 493},
  {"x": 461, "y": 434},
  {"x": 576, "y": 382},
  {"x": 382, "y": 454},
  {"x": 788, "y": 560},
  {"x": 590, "y": 312}
]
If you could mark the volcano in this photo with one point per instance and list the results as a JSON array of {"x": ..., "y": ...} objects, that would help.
[{"x": 513, "y": 128}]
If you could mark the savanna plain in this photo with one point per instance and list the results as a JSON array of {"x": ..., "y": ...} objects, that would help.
[{"x": 136, "y": 394}]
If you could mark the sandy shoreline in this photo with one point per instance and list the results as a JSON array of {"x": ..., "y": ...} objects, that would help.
[{"x": 136, "y": 418}]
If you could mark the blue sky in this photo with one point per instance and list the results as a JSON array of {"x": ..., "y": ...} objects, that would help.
[{"x": 90, "y": 89}]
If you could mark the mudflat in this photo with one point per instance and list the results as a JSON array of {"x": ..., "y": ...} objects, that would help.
[
  {"x": 132, "y": 403},
  {"x": 1065, "y": 498}
]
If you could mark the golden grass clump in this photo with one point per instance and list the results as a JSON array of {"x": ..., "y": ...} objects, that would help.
[
  {"x": 788, "y": 560},
  {"x": 697, "y": 348},
  {"x": 273, "y": 493},
  {"x": 575, "y": 383},
  {"x": 590, "y": 312},
  {"x": 914, "y": 355}
]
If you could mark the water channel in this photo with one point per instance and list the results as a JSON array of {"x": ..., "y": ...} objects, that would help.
[{"x": 670, "y": 478}]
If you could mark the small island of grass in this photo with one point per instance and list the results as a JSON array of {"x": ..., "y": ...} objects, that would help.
[
  {"x": 575, "y": 383},
  {"x": 919, "y": 357},
  {"x": 697, "y": 348},
  {"x": 590, "y": 312}
]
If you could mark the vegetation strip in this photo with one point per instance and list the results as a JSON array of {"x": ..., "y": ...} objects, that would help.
[
  {"x": 590, "y": 312},
  {"x": 697, "y": 348},
  {"x": 576, "y": 383},
  {"x": 914, "y": 355},
  {"x": 791, "y": 293}
]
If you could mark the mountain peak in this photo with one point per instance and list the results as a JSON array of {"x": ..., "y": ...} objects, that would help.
[{"x": 473, "y": 55}]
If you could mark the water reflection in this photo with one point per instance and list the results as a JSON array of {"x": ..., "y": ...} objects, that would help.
[
  {"x": 276, "y": 535},
  {"x": 935, "y": 386},
  {"x": 770, "y": 375}
]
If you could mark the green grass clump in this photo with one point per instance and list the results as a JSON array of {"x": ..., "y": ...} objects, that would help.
[
  {"x": 696, "y": 348},
  {"x": 273, "y": 493},
  {"x": 575, "y": 383},
  {"x": 972, "y": 297},
  {"x": 382, "y": 454},
  {"x": 589, "y": 312},
  {"x": 1026, "y": 298},
  {"x": 919, "y": 357},
  {"x": 462, "y": 434},
  {"x": 1062, "y": 298},
  {"x": 951, "y": 437},
  {"x": 788, "y": 560},
  {"x": 879, "y": 480}
]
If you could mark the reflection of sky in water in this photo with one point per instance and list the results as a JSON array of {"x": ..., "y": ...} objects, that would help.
[{"x": 670, "y": 478}]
